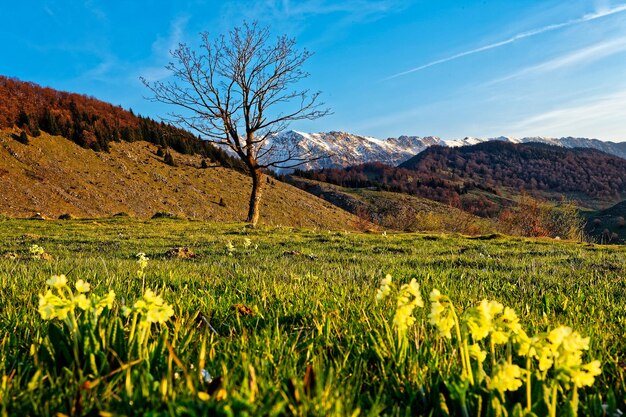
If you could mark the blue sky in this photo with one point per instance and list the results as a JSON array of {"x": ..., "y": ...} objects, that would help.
[{"x": 449, "y": 68}]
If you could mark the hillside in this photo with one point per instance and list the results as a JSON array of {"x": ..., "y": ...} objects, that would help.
[
  {"x": 92, "y": 123},
  {"x": 482, "y": 178},
  {"x": 53, "y": 176},
  {"x": 609, "y": 225},
  {"x": 613, "y": 148},
  {"x": 533, "y": 167},
  {"x": 396, "y": 211}
]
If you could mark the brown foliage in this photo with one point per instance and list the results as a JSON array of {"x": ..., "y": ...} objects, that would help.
[
  {"x": 91, "y": 123},
  {"x": 449, "y": 174},
  {"x": 536, "y": 218}
]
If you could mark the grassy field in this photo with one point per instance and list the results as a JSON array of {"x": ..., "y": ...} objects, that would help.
[{"x": 281, "y": 321}]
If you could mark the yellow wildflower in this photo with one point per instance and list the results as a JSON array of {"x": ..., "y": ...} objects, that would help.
[
  {"x": 57, "y": 281},
  {"x": 150, "y": 298},
  {"x": 82, "y": 302},
  {"x": 477, "y": 353},
  {"x": 510, "y": 320},
  {"x": 557, "y": 335},
  {"x": 385, "y": 288},
  {"x": 106, "y": 301},
  {"x": 441, "y": 316},
  {"x": 82, "y": 286},
  {"x": 160, "y": 313},
  {"x": 508, "y": 377},
  {"x": 585, "y": 375},
  {"x": 152, "y": 308},
  {"x": 109, "y": 299},
  {"x": 528, "y": 346},
  {"x": 479, "y": 319},
  {"x": 413, "y": 288},
  {"x": 142, "y": 260},
  {"x": 47, "y": 304},
  {"x": 491, "y": 318},
  {"x": 36, "y": 250},
  {"x": 403, "y": 319},
  {"x": 408, "y": 299},
  {"x": 546, "y": 358},
  {"x": 52, "y": 306}
]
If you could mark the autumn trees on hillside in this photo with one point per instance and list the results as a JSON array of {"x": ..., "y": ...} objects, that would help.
[
  {"x": 91, "y": 123},
  {"x": 470, "y": 177}
]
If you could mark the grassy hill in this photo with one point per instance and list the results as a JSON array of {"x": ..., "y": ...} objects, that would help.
[
  {"x": 608, "y": 225},
  {"x": 53, "y": 176},
  {"x": 396, "y": 211}
]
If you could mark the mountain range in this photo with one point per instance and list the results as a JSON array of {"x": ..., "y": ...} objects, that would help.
[{"x": 341, "y": 149}]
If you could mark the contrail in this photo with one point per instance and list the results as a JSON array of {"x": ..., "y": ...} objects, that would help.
[{"x": 523, "y": 35}]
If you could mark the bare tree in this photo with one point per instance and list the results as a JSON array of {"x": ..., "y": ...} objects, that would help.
[{"x": 236, "y": 90}]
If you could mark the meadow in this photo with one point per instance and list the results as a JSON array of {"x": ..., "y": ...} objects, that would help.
[{"x": 284, "y": 321}]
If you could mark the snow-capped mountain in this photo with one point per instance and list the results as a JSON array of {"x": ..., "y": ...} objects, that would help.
[
  {"x": 614, "y": 148},
  {"x": 340, "y": 149}
]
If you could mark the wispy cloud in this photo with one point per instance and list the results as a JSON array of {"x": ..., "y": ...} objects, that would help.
[
  {"x": 155, "y": 70},
  {"x": 294, "y": 17},
  {"x": 601, "y": 115},
  {"x": 93, "y": 8},
  {"x": 276, "y": 10},
  {"x": 582, "y": 56},
  {"x": 603, "y": 12}
]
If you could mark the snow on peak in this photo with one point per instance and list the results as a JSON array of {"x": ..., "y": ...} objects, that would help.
[{"x": 337, "y": 149}]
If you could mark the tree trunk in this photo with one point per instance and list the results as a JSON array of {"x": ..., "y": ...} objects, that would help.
[{"x": 255, "y": 196}]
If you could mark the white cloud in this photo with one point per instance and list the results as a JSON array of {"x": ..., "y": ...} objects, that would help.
[{"x": 599, "y": 13}]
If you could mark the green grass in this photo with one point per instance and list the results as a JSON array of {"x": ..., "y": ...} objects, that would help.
[{"x": 313, "y": 344}]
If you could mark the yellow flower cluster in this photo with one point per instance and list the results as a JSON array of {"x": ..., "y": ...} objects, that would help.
[
  {"x": 64, "y": 302},
  {"x": 36, "y": 250},
  {"x": 385, "y": 288},
  {"x": 492, "y": 318},
  {"x": 408, "y": 299},
  {"x": 142, "y": 262},
  {"x": 561, "y": 349},
  {"x": 557, "y": 353},
  {"x": 152, "y": 308},
  {"x": 508, "y": 377},
  {"x": 441, "y": 313},
  {"x": 230, "y": 248}
]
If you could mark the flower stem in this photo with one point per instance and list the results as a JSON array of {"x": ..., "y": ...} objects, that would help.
[
  {"x": 463, "y": 349},
  {"x": 575, "y": 400},
  {"x": 528, "y": 387},
  {"x": 553, "y": 400}
]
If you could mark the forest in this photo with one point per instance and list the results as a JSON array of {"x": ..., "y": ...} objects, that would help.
[{"x": 92, "y": 123}]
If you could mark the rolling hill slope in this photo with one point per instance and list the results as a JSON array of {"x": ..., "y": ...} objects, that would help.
[
  {"x": 397, "y": 211},
  {"x": 52, "y": 175},
  {"x": 483, "y": 178}
]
